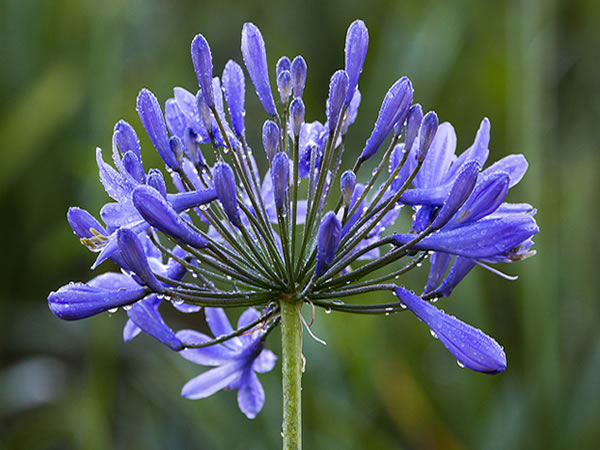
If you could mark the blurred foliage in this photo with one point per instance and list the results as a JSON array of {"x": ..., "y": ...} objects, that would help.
[{"x": 72, "y": 68}]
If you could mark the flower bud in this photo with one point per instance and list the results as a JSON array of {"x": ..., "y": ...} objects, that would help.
[
  {"x": 234, "y": 87},
  {"x": 427, "y": 132},
  {"x": 283, "y": 64},
  {"x": 469, "y": 345},
  {"x": 347, "y": 185},
  {"x": 280, "y": 174},
  {"x": 395, "y": 104},
  {"x": 134, "y": 167},
  {"x": 157, "y": 181},
  {"x": 270, "y": 137},
  {"x": 328, "y": 239},
  {"x": 135, "y": 257},
  {"x": 284, "y": 85},
  {"x": 337, "y": 92},
  {"x": 298, "y": 70},
  {"x": 357, "y": 42},
  {"x": 202, "y": 60},
  {"x": 459, "y": 193},
  {"x": 82, "y": 222},
  {"x": 296, "y": 115},
  {"x": 127, "y": 139},
  {"x": 255, "y": 59},
  {"x": 224, "y": 180},
  {"x": 177, "y": 149},
  {"x": 175, "y": 117},
  {"x": 413, "y": 123},
  {"x": 152, "y": 119},
  {"x": 155, "y": 209},
  {"x": 204, "y": 111}
]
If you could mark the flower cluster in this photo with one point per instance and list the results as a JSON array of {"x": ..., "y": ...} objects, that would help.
[{"x": 307, "y": 231}]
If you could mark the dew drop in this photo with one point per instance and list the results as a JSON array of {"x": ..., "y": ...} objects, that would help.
[
  {"x": 433, "y": 335},
  {"x": 177, "y": 300},
  {"x": 111, "y": 311},
  {"x": 127, "y": 307},
  {"x": 338, "y": 302},
  {"x": 327, "y": 310},
  {"x": 434, "y": 300},
  {"x": 461, "y": 365}
]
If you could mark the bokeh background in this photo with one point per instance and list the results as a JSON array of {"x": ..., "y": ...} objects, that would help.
[{"x": 71, "y": 68}]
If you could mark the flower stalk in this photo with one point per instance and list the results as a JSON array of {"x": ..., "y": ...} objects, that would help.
[{"x": 291, "y": 367}]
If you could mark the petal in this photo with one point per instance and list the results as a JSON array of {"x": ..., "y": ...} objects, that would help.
[
  {"x": 219, "y": 324},
  {"x": 114, "y": 281},
  {"x": 234, "y": 87},
  {"x": 78, "y": 300},
  {"x": 439, "y": 265},
  {"x": 114, "y": 183},
  {"x": 127, "y": 139},
  {"x": 146, "y": 316},
  {"x": 469, "y": 345},
  {"x": 328, "y": 239},
  {"x": 486, "y": 238},
  {"x": 130, "y": 330},
  {"x": 82, "y": 222},
  {"x": 213, "y": 355},
  {"x": 265, "y": 361},
  {"x": 135, "y": 257},
  {"x": 439, "y": 158},
  {"x": 514, "y": 165},
  {"x": 251, "y": 395},
  {"x": 202, "y": 60},
  {"x": 355, "y": 52},
  {"x": 458, "y": 271},
  {"x": 461, "y": 190},
  {"x": 176, "y": 119},
  {"x": 255, "y": 59},
  {"x": 394, "y": 107},
  {"x": 152, "y": 119},
  {"x": 212, "y": 381},
  {"x": 158, "y": 213}
]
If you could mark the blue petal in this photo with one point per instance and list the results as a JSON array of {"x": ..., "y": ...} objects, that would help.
[
  {"x": 439, "y": 265},
  {"x": 251, "y": 395},
  {"x": 213, "y": 380},
  {"x": 514, "y": 165},
  {"x": 486, "y": 238},
  {"x": 234, "y": 86},
  {"x": 135, "y": 257},
  {"x": 127, "y": 139},
  {"x": 477, "y": 152},
  {"x": 158, "y": 213},
  {"x": 130, "y": 330},
  {"x": 212, "y": 355},
  {"x": 328, "y": 239},
  {"x": 176, "y": 119},
  {"x": 280, "y": 172},
  {"x": 355, "y": 52},
  {"x": 225, "y": 187},
  {"x": 461, "y": 190},
  {"x": 79, "y": 300},
  {"x": 154, "y": 124},
  {"x": 202, "y": 60},
  {"x": 459, "y": 270},
  {"x": 469, "y": 345},
  {"x": 298, "y": 70},
  {"x": 393, "y": 109},
  {"x": 146, "y": 316},
  {"x": 439, "y": 158},
  {"x": 255, "y": 59},
  {"x": 82, "y": 222},
  {"x": 338, "y": 86}
]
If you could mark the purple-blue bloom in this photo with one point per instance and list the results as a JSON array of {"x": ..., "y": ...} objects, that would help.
[
  {"x": 307, "y": 226},
  {"x": 236, "y": 363}
]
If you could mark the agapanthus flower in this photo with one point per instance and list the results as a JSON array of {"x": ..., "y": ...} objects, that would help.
[{"x": 311, "y": 228}]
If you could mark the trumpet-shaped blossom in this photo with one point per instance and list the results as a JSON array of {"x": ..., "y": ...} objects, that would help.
[{"x": 308, "y": 227}]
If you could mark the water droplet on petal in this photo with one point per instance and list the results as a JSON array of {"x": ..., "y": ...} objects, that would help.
[
  {"x": 433, "y": 335},
  {"x": 461, "y": 365},
  {"x": 327, "y": 310}
]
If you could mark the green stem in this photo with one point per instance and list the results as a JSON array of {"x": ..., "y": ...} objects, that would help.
[{"x": 291, "y": 351}]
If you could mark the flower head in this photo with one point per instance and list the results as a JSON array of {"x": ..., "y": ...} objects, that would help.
[{"x": 311, "y": 228}]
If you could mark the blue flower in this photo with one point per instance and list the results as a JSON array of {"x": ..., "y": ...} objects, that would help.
[
  {"x": 310, "y": 228},
  {"x": 237, "y": 362}
]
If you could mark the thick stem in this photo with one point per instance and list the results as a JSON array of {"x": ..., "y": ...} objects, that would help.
[{"x": 291, "y": 350}]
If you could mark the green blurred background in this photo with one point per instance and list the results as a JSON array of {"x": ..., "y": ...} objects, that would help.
[{"x": 71, "y": 69}]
